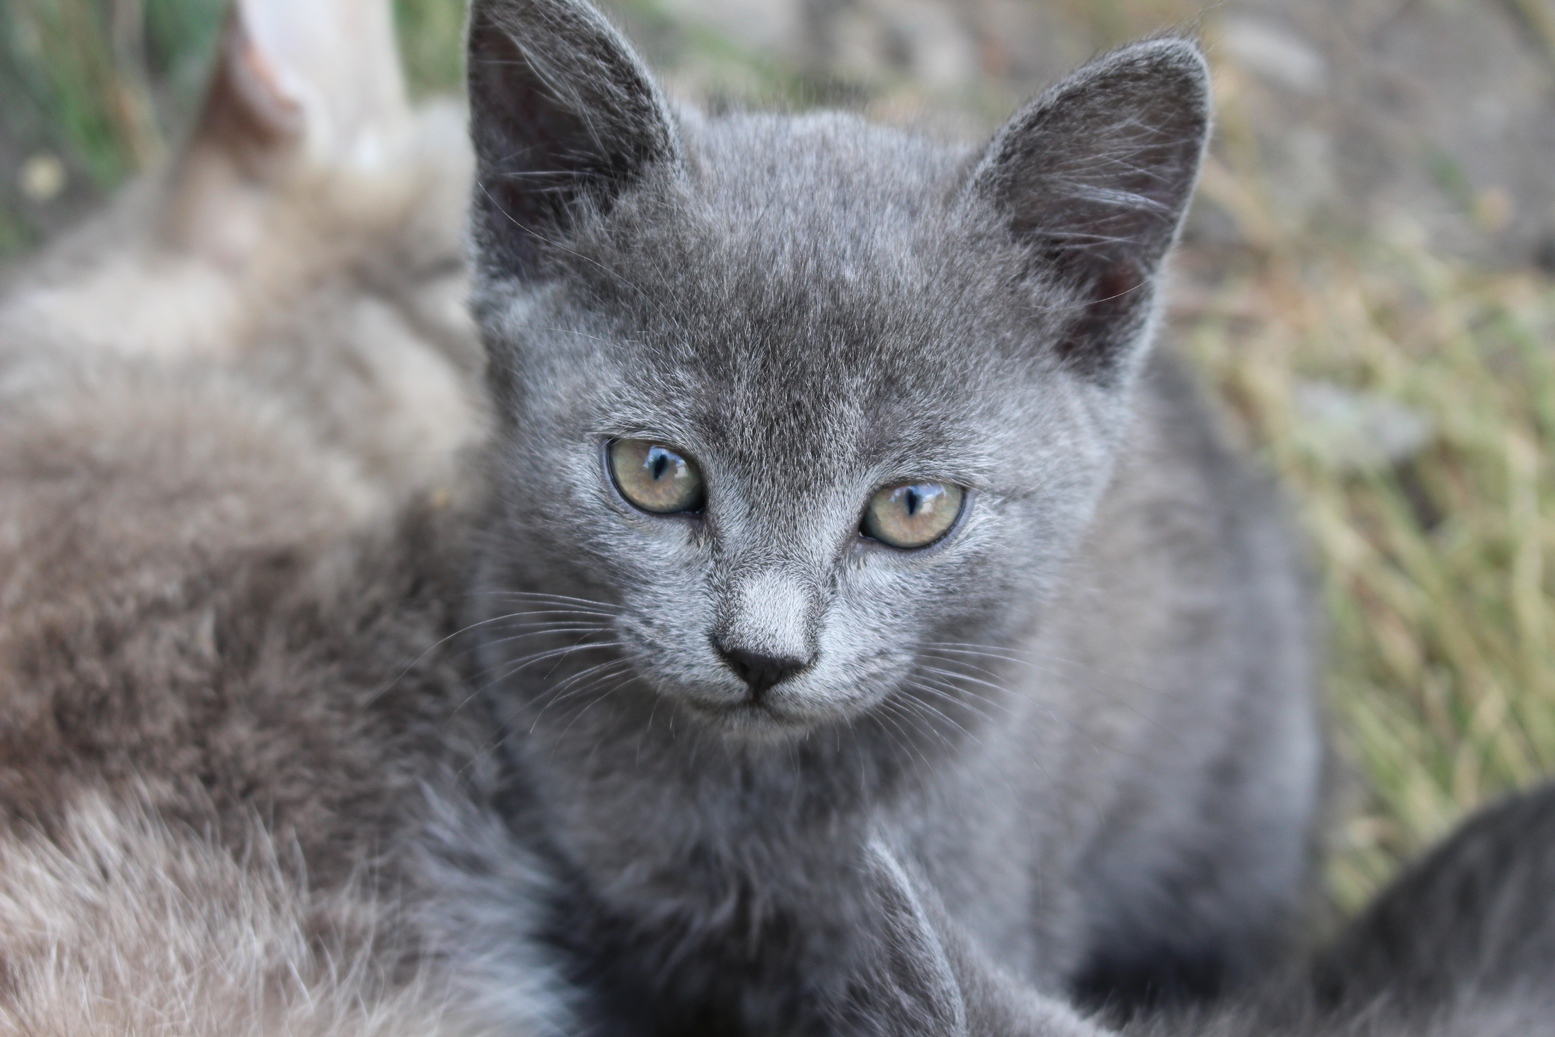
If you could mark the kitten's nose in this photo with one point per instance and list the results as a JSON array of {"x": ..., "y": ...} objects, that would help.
[{"x": 760, "y": 671}]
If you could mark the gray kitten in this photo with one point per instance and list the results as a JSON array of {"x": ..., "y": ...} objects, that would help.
[{"x": 855, "y": 564}]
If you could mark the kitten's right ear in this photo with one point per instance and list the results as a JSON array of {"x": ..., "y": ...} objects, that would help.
[{"x": 563, "y": 114}]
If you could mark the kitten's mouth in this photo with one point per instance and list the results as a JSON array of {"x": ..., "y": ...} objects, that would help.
[
  {"x": 769, "y": 716},
  {"x": 751, "y": 716}
]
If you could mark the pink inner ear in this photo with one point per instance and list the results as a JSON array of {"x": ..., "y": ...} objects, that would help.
[
  {"x": 261, "y": 69},
  {"x": 1116, "y": 281},
  {"x": 1116, "y": 292}
]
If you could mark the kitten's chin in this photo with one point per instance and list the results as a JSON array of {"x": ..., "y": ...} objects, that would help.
[{"x": 751, "y": 720}]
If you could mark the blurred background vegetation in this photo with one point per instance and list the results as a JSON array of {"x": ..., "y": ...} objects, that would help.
[{"x": 1364, "y": 280}]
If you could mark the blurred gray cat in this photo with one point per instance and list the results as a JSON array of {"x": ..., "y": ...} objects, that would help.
[
  {"x": 1463, "y": 942},
  {"x": 846, "y": 529}
]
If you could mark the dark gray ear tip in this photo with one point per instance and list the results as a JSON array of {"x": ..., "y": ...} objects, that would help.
[
  {"x": 1170, "y": 67},
  {"x": 1181, "y": 52},
  {"x": 485, "y": 12},
  {"x": 534, "y": 8},
  {"x": 1182, "y": 59},
  {"x": 542, "y": 21}
]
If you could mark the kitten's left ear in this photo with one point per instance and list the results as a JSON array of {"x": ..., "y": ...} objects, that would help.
[
  {"x": 563, "y": 114},
  {"x": 1093, "y": 179}
]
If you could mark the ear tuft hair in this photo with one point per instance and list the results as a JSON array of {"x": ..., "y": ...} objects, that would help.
[{"x": 1094, "y": 177}]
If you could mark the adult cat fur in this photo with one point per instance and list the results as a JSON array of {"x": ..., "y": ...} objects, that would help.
[
  {"x": 233, "y": 413},
  {"x": 1084, "y": 717}
]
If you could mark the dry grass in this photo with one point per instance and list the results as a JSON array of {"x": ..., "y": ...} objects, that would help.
[{"x": 1434, "y": 570}]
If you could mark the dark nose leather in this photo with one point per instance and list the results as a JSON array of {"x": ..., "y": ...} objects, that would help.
[{"x": 760, "y": 671}]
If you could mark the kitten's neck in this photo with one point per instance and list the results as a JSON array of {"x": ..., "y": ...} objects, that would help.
[
  {"x": 740, "y": 861},
  {"x": 629, "y": 784}
]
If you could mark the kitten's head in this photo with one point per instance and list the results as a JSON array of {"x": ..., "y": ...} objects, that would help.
[{"x": 811, "y": 405}]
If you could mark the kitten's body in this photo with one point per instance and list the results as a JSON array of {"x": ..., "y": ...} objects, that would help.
[
  {"x": 1157, "y": 790},
  {"x": 233, "y": 519},
  {"x": 1085, "y": 720}
]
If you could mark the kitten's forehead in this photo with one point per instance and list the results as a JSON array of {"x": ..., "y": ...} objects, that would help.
[
  {"x": 841, "y": 179},
  {"x": 805, "y": 297}
]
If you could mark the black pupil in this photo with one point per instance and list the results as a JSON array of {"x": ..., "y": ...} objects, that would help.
[
  {"x": 659, "y": 460},
  {"x": 913, "y": 500}
]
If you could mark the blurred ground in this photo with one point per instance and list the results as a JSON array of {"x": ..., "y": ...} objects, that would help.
[{"x": 1364, "y": 280}]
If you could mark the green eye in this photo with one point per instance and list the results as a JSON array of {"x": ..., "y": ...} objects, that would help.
[
  {"x": 912, "y": 515},
  {"x": 654, "y": 477}
]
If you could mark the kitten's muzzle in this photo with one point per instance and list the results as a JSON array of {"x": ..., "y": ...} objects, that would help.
[{"x": 760, "y": 672}]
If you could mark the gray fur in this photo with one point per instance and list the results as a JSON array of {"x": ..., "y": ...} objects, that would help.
[
  {"x": 1462, "y": 944},
  {"x": 1468, "y": 932},
  {"x": 1084, "y": 720}
]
